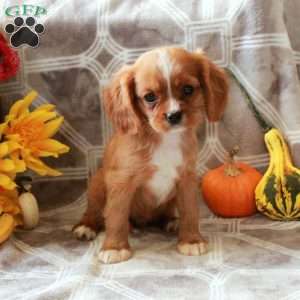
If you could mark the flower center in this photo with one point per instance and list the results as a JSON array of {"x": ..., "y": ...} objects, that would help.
[{"x": 28, "y": 131}]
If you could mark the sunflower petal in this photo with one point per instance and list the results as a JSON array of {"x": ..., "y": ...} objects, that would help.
[
  {"x": 8, "y": 147},
  {"x": 13, "y": 146},
  {"x": 9, "y": 204},
  {"x": 40, "y": 168},
  {"x": 52, "y": 146},
  {"x": 21, "y": 106},
  {"x": 13, "y": 137},
  {"x": 52, "y": 127},
  {"x": 40, "y": 116},
  {"x": 45, "y": 107},
  {"x": 6, "y": 182},
  {"x": 7, "y": 165},
  {"x": 4, "y": 149},
  {"x": 25, "y": 153},
  {"x": 13, "y": 194},
  {"x": 47, "y": 154},
  {"x": 3, "y": 127},
  {"x": 20, "y": 165}
]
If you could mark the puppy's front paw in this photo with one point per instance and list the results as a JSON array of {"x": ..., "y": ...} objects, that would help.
[
  {"x": 112, "y": 256},
  {"x": 192, "y": 249},
  {"x": 83, "y": 232}
]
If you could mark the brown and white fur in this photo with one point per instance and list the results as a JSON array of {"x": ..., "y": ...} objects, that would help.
[{"x": 148, "y": 172}]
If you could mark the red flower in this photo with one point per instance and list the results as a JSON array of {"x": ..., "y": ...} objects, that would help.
[{"x": 9, "y": 60}]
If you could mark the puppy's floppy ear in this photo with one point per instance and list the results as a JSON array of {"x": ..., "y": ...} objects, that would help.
[
  {"x": 119, "y": 101},
  {"x": 215, "y": 86}
]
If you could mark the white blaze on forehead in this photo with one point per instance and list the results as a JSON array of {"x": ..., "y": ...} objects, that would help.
[
  {"x": 173, "y": 105},
  {"x": 165, "y": 65}
]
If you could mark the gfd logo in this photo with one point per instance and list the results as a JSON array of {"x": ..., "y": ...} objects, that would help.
[{"x": 25, "y": 30}]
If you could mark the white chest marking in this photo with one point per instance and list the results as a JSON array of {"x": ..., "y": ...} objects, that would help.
[
  {"x": 166, "y": 158},
  {"x": 166, "y": 66}
]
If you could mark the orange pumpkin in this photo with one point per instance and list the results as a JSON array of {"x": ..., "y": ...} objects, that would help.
[{"x": 229, "y": 189}]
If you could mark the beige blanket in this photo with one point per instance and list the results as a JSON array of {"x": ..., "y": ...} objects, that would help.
[{"x": 83, "y": 44}]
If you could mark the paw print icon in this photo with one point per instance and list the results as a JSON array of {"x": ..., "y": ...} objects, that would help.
[{"x": 24, "y": 32}]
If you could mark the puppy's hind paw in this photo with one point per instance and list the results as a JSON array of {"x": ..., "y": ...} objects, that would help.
[
  {"x": 192, "y": 249},
  {"x": 112, "y": 256},
  {"x": 172, "y": 226},
  {"x": 83, "y": 232}
]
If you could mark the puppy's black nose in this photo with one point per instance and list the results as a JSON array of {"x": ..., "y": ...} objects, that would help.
[{"x": 174, "y": 117}]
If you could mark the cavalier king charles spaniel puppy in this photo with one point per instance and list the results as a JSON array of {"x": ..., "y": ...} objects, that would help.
[{"x": 148, "y": 173}]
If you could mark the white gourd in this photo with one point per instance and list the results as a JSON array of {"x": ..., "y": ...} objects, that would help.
[{"x": 30, "y": 210}]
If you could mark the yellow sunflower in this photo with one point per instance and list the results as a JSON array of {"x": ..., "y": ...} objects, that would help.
[
  {"x": 10, "y": 213},
  {"x": 9, "y": 202},
  {"x": 9, "y": 167},
  {"x": 32, "y": 131}
]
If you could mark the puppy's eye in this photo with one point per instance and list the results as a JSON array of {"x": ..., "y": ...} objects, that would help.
[
  {"x": 150, "y": 97},
  {"x": 187, "y": 90}
]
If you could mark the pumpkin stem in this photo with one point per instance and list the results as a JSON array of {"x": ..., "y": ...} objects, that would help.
[
  {"x": 231, "y": 169},
  {"x": 232, "y": 153},
  {"x": 24, "y": 183}
]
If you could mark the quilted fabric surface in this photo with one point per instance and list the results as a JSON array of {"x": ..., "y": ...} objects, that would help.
[{"x": 83, "y": 44}]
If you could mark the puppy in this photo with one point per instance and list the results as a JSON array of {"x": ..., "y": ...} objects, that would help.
[{"x": 149, "y": 166}]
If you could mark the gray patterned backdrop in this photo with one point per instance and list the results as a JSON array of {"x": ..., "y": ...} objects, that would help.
[{"x": 84, "y": 43}]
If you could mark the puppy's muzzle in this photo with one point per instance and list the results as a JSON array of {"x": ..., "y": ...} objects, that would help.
[{"x": 174, "y": 117}]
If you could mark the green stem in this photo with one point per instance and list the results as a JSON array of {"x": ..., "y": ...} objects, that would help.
[{"x": 262, "y": 122}]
